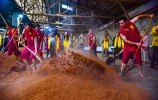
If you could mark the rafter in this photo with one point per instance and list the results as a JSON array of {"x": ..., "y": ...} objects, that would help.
[
  {"x": 100, "y": 22},
  {"x": 85, "y": 23},
  {"x": 124, "y": 10},
  {"x": 111, "y": 7},
  {"x": 131, "y": 1},
  {"x": 89, "y": 9},
  {"x": 66, "y": 11},
  {"x": 59, "y": 15},
  {"x": 60, "y": 23},
  {"x": 51, "y": 6},
  {"x": 71, "y": 30},
  {"x": 31, "y": 6}
]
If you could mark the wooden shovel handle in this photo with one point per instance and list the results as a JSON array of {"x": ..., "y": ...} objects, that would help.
[
  {"x": 4, "y": 20},
  {"x": 146, "y": 29},
  {"x": 31, "y": 52}
]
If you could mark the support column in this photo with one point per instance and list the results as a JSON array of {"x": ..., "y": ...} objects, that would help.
[{"x": 16, "y": 18}]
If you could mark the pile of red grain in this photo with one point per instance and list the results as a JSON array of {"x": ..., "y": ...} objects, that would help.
[
  {"x": 7, "y": 63},
  {"x": 74, "y": 76}
]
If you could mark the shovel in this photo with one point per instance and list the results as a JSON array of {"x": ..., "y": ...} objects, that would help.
[
  {"x": 110, "y": 60},
  {"x": 32, "y": 52}
]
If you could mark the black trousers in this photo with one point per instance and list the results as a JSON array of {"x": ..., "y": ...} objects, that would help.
[
  {"x": 81, "y": 47},
  {"x": 116, "y": 51},
  {"x": 154, "y": 55},
  {"x": 52, "y": 50},
  {"x": 93, "y": 51}
]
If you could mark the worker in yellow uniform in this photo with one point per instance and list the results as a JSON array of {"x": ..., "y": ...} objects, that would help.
[
  {"x": 118, "y": 45},
  {"x": 154, "y": 33},
  {"x": 74, "y": 41},
  {"x": 66, "y": 41},
  {"x": 51, "y": 52},
  {"x": 105, "y": 45},
  {"x": 1, "y": 41},
  {"x": 58, "y": 49}
]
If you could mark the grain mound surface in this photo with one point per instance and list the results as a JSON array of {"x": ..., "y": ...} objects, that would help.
[
  {"x": 7, "y": 63},
  {"x": 74, "y": 76}
]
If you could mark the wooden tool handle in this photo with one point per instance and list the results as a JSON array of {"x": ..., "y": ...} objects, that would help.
[
  {"x": 146, "y": 29},
  {"x": 32, "y": 52},
  {"x": 4, "y": 20}
]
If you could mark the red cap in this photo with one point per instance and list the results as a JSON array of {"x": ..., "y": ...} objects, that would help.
[{"x": 105, "y": 35}]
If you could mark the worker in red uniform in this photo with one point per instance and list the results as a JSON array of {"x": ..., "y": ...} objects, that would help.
[
  {"x": 131, "y": 37},
  {"x": 31, "y": 38},
  {"x": 40, "y": 36},
  {"x": 12, "y": 41},
  {"x": 92, "y": 42}
]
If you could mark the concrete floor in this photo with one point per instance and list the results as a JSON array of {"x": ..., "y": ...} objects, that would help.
[{"x": 150, "y": 83}]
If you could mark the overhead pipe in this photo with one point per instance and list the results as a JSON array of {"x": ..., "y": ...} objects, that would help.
[{"x": 154, "y": 7}]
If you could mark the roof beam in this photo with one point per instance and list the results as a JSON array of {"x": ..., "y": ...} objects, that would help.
[
  {"x": 89, "y": 9},
  {"x": 99, "y": 22},
  {"x": 74, "y": 16},
  {"x": 51, "y": 6},
  {"x": 31, "y": 6},
  {"x": 60, "y": 24},
  {"x": 65, "y": 11},
  {"x": 70, "y": 30},
  {"x": 124, "y": 10},
  {"x": 84, "y": 23},
  {"x": 42, "y": 5},
  {"x": 131, "y": 1},
  {"x": 110, "y": 7}
]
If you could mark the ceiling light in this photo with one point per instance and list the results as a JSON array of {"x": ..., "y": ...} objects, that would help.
[{"x": 20, "y": 16}]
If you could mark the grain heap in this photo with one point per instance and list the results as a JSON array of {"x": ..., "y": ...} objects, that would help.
[
  {"x": 7, "y": 63},
  {"x": 73, "y": 77}
]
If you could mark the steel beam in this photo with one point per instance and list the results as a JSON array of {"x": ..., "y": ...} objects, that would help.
[
  {"x": 124, "y": 10},
  {"x": 107, "y": 16},
  {"x": 131, "y": 1},
  {"x": 59, "y": 15},
  {"x": 31, "y": 6},
  {"x": 99, "y": 22},
  {"x": 24, "y": 5},
  {"x": 70, "y": 30},
  {"x": 110, "y": 7},
  {"x": 51, "y": 6},
  {"x": 60, "y": 23},
  {"x": 59, "y": 6}
]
